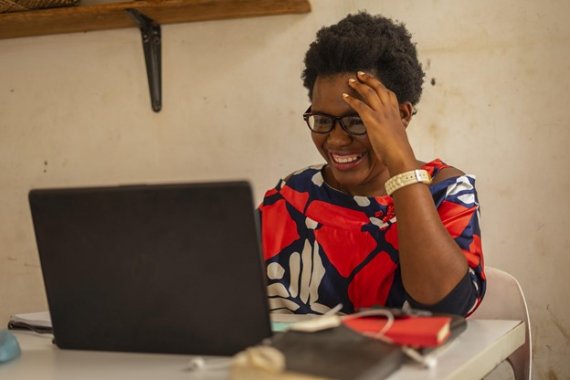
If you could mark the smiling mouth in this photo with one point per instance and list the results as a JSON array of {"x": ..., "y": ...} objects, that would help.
[{"x": 345, "y": 161}]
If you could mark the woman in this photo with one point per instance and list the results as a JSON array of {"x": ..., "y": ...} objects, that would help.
[{"x": 373, "y": 226}]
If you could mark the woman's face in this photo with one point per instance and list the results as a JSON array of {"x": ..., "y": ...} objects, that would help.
[{"x": 352, "y": 164}]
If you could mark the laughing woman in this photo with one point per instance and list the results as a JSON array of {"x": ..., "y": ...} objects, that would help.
[{"x": 373, "y": 226}]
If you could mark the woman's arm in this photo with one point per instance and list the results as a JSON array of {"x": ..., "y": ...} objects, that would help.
[{"x": 431, "y": 262}]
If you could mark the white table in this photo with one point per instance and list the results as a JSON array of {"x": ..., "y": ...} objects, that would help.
[{"x": 473, "y": 354}]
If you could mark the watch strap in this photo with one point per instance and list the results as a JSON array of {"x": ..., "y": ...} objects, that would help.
[{"x": 407, "y": 178}]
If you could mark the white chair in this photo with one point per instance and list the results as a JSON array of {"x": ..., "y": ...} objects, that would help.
[{"x": 504, "y": 299}]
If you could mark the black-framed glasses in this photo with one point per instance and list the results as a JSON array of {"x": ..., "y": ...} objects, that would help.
[{"x": 323, "y": 123}]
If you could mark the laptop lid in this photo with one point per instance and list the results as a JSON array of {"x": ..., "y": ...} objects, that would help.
[{"x": 152, "y": 268}]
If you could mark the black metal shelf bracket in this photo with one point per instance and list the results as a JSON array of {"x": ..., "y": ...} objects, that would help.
[{"x": 151, "y": 39}]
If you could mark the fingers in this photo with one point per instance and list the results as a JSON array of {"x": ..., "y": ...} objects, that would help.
[
  {"x": 376, "y": 105},
  {"x": 373, "y": 92},
  {"x": 367, "y": 93},
  {"x": 355, "y": 104}
]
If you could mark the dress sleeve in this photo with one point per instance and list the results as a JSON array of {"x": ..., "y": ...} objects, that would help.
[{"x": 458, "y": 208}]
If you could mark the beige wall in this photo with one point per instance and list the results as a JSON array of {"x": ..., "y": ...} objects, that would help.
[{"x": 75, "y": 110}]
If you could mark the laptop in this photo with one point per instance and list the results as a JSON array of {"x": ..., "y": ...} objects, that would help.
[{"x": 152, "y": 268}]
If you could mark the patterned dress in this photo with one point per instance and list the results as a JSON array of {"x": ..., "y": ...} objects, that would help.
[{"x": 323, "y": 247}]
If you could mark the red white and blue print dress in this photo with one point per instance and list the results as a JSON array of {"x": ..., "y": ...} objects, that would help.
[{"x": 323, "y": 247}]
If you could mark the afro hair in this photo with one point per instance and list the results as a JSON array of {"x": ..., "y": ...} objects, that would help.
[{"x": 365, "y": 42}]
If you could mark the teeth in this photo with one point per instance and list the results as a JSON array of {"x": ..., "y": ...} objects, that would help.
[{"x": 345, "y": 159}]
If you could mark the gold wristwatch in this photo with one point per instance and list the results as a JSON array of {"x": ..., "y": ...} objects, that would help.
[{"x": 407, "y": 178}]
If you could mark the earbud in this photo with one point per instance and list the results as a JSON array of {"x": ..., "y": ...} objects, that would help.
[{"x": 198, "y": 363}]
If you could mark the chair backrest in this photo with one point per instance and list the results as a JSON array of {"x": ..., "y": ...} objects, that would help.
[{"x": 504, "y": 299}]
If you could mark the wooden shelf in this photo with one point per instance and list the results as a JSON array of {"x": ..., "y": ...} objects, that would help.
[
  {"x": 113, "y": 15},
  {"x": 149, "y": 14}
]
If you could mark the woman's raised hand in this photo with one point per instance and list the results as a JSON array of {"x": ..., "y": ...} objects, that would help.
[{"x": 385, "y": 121}]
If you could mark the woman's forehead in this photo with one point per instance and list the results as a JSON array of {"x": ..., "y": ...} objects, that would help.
[{"x": 327, "y": 94}]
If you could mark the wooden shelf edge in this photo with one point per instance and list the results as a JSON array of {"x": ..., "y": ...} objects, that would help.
[{"x": 113, "y": 15}]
